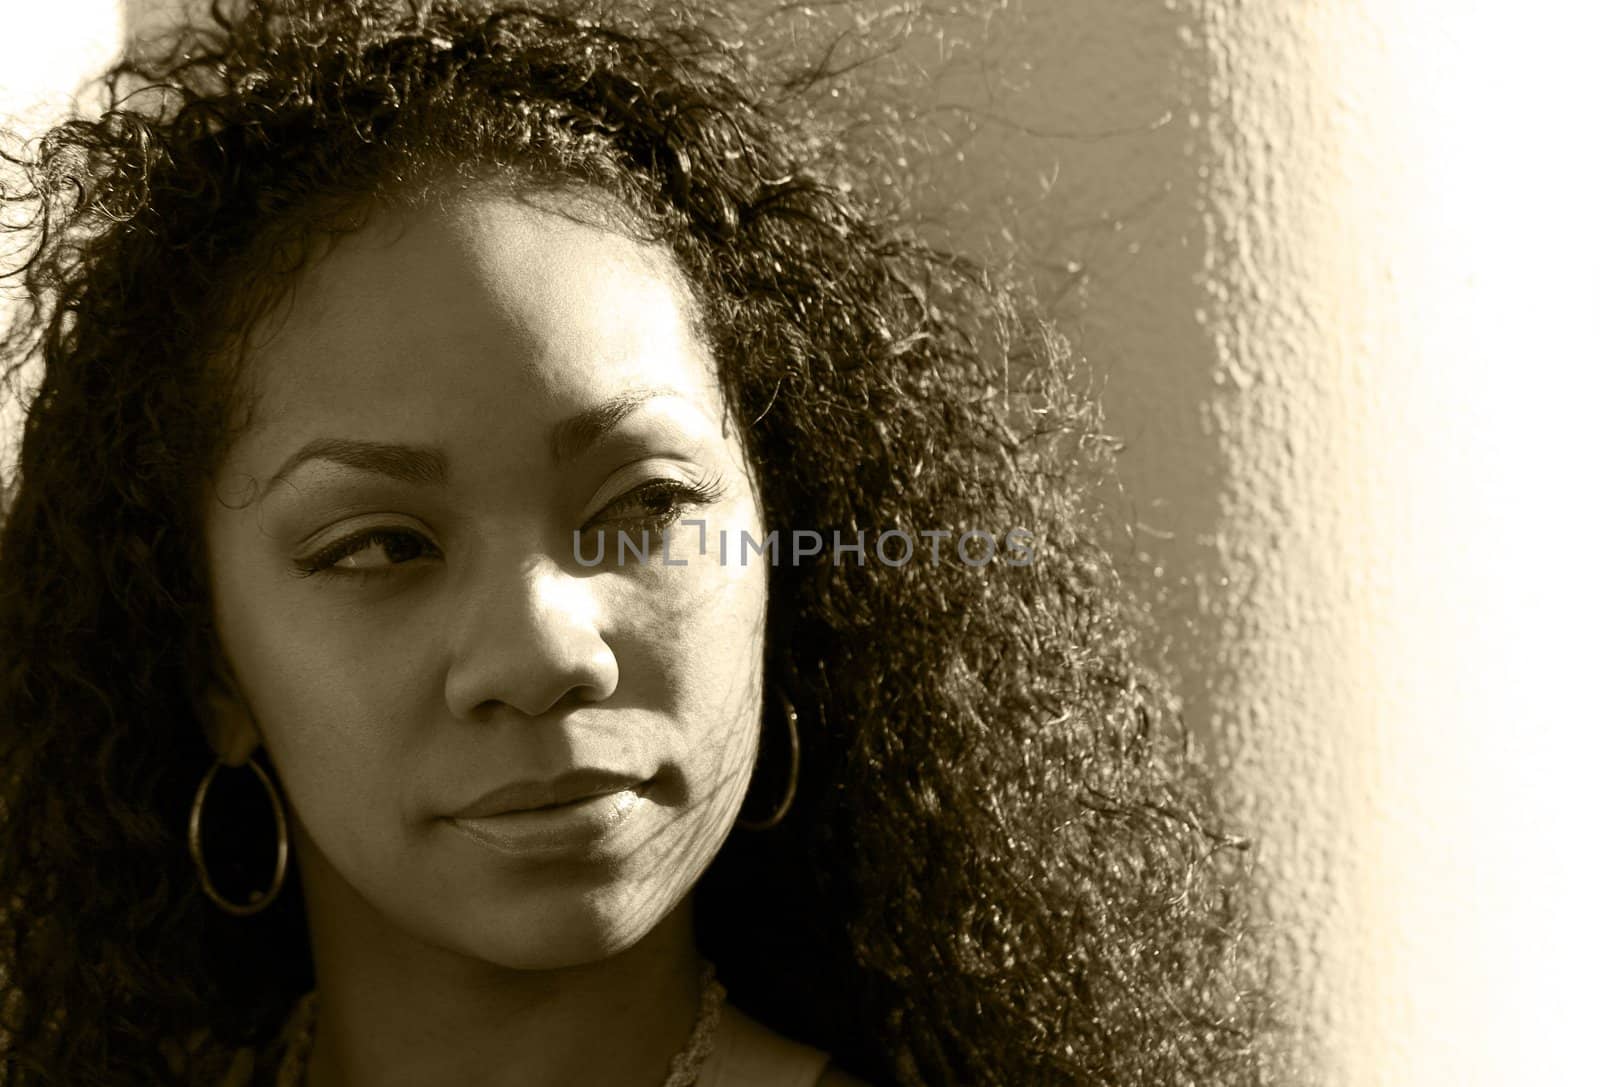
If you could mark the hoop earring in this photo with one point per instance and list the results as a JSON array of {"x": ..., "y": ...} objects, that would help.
[
  {"x": 259, "y": 900},
  {"x": 793, "y": 720}
]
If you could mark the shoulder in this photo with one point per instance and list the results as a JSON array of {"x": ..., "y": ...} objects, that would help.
[{"x": 833, "y": 1076}]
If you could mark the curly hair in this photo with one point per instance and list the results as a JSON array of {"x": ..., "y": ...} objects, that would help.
[{"x": 1000, "y": 867}]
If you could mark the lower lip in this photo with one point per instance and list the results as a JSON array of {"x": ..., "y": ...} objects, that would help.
[{"x": 562, "y": 829}]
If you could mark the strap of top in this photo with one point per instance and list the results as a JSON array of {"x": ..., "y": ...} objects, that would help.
[{"x": 747, "y": 1054}]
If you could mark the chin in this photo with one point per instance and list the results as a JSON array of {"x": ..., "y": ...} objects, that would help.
[{"x": 560, "y": 933}]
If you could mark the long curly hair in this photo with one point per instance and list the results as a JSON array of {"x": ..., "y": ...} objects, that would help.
[{"x": 1001, "y": 866}]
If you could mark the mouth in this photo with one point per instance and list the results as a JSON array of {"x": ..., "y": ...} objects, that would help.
[
  {"x": 573, "y": 788},
  {"x": 576, "y": 825}
]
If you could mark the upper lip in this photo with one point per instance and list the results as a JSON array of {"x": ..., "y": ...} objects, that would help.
[{"x": 531, "y": 794}]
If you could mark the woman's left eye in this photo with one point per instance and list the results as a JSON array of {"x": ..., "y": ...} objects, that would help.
[{"x": 661, "y": 502}]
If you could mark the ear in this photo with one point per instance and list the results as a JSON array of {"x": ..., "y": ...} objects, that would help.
[{"x": 229, "y": 726}]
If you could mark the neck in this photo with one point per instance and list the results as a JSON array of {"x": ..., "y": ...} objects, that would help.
[{"x": 395, "y": 1012}]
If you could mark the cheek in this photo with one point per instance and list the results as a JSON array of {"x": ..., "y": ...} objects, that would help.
[
  {"x": 693, "y": 641},
  {"x": 713, "y": 616},
  {"x": 345, "y": 728},
  {"x": 336, "y": 708}
]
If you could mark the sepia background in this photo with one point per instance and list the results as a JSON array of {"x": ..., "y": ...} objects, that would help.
[{"x": 1333, "y": 262}]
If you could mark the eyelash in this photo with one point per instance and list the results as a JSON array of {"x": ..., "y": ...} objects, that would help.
[
  {"x": 684, "y": 496},
  {"x": 322, "y": 562}
]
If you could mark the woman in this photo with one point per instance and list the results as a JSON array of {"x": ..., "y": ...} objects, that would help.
[{"x": 470, "y": 599}]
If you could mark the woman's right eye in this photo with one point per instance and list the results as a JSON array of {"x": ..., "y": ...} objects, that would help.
[{"x": 373, "y": 551}]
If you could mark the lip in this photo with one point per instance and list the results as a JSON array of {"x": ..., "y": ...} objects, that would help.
[
  {"x": 534, "y": 795},
  {"x": 571, "y": 813}
]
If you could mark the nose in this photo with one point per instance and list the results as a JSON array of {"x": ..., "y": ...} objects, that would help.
[{"x": 527, "y": 637}]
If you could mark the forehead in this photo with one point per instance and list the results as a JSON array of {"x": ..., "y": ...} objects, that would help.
[{"x": 489, "y": 299}]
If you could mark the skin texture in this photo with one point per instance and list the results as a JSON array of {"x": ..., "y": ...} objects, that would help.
[{"x": 395, "y": 679}]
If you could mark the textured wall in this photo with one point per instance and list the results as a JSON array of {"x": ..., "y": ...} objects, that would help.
[
  {"x": 1340, "y": 301},
  {"x": 1331, "y": 258},
  {"x": 1389, "y": 321}
]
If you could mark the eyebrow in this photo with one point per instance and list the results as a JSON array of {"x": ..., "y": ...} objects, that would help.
[
  {"x": 428, "y": 465},
  {"x": 573, "y": 436},
  {"x": 406, "y": 463}
]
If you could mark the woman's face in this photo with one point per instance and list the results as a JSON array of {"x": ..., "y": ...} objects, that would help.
[{"x": 446, "y": 401}]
